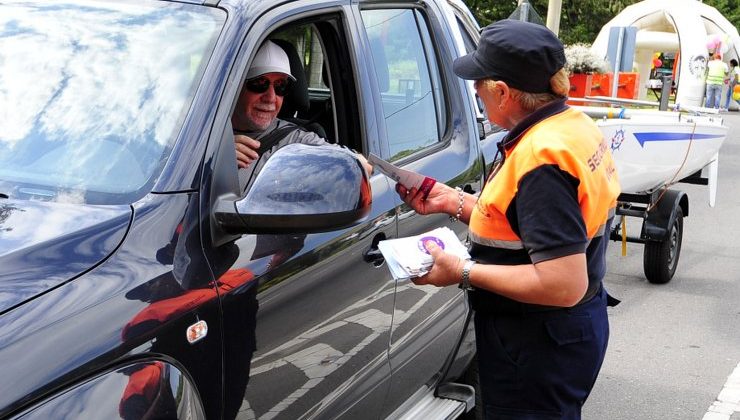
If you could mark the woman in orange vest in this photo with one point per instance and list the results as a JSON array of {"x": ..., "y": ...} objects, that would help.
[{"x": 538, "y": 231}]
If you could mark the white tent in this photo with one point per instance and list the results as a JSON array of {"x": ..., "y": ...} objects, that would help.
[{"x": 682, "y": 26}]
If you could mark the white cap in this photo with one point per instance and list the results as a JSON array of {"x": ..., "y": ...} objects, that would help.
[{"x": 270, "y": 59}]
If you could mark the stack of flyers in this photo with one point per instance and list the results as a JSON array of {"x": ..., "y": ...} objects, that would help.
[{"x": 408, "y": 257}]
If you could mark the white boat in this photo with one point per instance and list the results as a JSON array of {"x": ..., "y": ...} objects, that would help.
[{"x": 655, "y": 149}]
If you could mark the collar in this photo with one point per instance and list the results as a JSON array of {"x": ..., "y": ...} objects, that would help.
[
  {"x": 274, "y": 125},
  {"x": 510, "y": 140}
]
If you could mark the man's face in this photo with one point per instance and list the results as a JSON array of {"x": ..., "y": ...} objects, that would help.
[{"x": 255, "y": 111}]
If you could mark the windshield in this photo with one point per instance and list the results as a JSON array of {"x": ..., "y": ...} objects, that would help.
[{"x": 93, "y": 94}]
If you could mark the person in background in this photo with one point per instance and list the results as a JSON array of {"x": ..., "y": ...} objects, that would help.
[
  {"x": 538, "y": 232},
  {"x": 715, "y": 78},
  {"x": 255, "y": 116},
  {"x": 734, "y": 78}
]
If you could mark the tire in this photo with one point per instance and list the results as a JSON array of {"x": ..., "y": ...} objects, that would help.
[
  {"x": 470, "y": 377},
  {"x": 660, "y": 259}
]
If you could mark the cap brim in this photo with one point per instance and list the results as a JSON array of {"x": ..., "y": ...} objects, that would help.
[
  {"x": 468, "y": 67},
  {"x": 260, "y": 70}
]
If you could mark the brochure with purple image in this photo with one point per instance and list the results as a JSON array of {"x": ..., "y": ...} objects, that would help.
[{"x": 408, "y": 257}]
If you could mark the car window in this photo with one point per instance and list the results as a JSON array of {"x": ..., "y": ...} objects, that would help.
[
  {"x": 470, "y": 44},
  {"x": 410, "y": 87},
  {"x": 314, "y": 114},
  {"x": 92, "y": 95},
  {"x": 308, "y": 43},
  {"x": 324, "y": 110}
]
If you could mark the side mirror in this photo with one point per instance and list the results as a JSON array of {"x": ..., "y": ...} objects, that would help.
[{"x": 301, "y": 189}]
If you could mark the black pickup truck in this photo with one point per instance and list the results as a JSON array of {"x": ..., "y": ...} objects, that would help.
[{"x": 138, "y": 281}]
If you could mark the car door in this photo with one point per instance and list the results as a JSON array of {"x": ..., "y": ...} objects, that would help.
[
  {"x": 306, "y": 318},
  {"x": 425, "y": 129}
]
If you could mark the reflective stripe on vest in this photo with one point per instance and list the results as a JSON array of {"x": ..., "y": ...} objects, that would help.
[
  {"x": 496, "y": 243},
  {"x": 575, "y": 144}
]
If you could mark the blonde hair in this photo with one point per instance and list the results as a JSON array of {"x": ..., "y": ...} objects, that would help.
[{"x": 559, "y": 87}]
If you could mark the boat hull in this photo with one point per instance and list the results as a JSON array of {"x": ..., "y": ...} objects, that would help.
[{"x": 658, "y": 150}]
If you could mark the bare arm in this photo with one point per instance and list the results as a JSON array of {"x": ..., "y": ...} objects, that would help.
[{"x": 557, "y": 282}]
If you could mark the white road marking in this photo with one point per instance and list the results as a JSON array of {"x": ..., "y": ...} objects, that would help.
[
  {"x": 399, "y": 317},
  {"x": 246, "y": 412},
  {"x": 320, "y": 360},
  {"x": 372, "y": 319},
  {"x": 728, "y": 400},
  {"x": 327, "y": 326},
  {"x": 315, "y": 361}
]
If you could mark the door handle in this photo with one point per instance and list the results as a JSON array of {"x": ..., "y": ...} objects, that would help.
[{"x": 373, "y": 255}]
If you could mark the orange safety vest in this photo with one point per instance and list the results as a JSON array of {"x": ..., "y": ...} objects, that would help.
[{"x": 571, "y": 141}]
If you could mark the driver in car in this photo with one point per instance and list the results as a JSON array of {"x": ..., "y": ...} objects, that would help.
[{"x": 257, "y": 130}]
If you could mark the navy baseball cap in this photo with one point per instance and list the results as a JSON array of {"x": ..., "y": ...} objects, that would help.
[{"x": 523, "y": 55}]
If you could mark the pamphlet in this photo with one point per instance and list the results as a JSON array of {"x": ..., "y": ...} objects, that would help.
[
  {"x": 408, "y": 179},
  {"x": 408, "y": 257}
]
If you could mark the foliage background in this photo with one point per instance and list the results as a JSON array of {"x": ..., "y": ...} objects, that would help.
[{"x": 580, "y": 20}]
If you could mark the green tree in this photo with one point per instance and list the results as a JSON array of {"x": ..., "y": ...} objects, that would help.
[
  {"x": 488, "y": 11},
  {"x": 581, "y": 20},
  {"x": 730, "y": 9}
]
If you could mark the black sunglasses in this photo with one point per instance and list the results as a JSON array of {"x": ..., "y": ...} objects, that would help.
[{"x": 261, "y": 84}]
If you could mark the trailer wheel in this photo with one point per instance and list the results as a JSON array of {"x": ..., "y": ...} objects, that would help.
[{"x": 661, "y": 258}]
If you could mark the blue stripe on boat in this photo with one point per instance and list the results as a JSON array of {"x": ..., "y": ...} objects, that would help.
[{"x": 642, "y": 138}]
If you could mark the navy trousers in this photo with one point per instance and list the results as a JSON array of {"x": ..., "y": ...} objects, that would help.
[{"x": 540, "y": 365}]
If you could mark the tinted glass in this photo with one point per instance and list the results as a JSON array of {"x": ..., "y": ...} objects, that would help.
[
  {"x": 92, "y": 94},
  {"x": 307, "y": 43},
  {"x": 411, "y": 92},
  {"x": 470, "y": 44}
]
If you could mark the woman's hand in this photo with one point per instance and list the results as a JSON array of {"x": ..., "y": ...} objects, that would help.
[
  {"x": 447, "y": 268},
  {"x": 441, "y": 199}
]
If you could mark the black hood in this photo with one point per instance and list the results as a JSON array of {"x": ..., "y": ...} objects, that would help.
[{"x": 44, "y": 244}]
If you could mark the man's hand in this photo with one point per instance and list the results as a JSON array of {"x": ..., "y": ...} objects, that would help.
[
  {"x": 246, "y": 150},
  {"x": 365, "y": 164}
]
